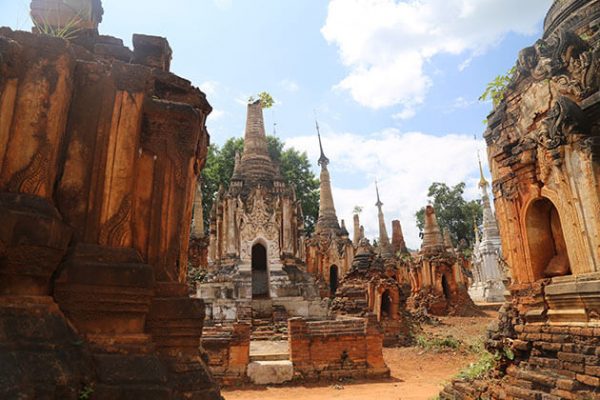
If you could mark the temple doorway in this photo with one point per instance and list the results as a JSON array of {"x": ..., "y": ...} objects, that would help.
[
  {"x": 260, "y": 274},
  {"x": 547, "y": 246},
  {"x": 386, "y": 305},
  {"x": 333, "y": 279},
  {"x": 446, "y": 287}
]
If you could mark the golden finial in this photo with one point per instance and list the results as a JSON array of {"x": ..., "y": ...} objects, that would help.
[{"x": 482, "y": 181}]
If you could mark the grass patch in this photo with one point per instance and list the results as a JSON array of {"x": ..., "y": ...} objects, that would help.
[
  {"x": 438, "y": 343},
  {"x": 479, "y": 368}
]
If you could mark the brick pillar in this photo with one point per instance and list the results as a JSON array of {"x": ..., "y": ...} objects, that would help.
[
  {"x": 375, "y": 363},
  {"x": 299, "y": 342},
  {"x": 239, "y": 351}
]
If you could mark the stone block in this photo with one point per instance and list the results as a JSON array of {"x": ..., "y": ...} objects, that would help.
[{"x": 270, "y": 372}]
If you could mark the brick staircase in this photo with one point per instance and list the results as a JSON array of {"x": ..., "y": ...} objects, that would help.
[{"x": 273, "y": 327}]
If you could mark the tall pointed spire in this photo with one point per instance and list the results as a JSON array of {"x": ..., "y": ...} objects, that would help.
[
  {"x": 322, "y": 158},
  {"x": 327, "y": 216},
  {"x": 379, "y": 203},
  {"x": 256, "y": 162},
  {"x": 490, "y": 226},
  {"x": 384, "y": 241}
]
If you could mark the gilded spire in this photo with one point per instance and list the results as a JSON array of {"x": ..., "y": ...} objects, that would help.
[
  {"x": 482, "y": 181},
  {"x": 327, "y": 216}
]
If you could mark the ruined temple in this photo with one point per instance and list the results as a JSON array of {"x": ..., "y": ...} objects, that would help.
[
  {"x": 371, "y": 287},
  {"x": 543, "y": 143},
  {"x": 377, "y": 282},
  {"x": 486, "y": 267},
  {"x": 100, "y": 148},
  {"x": 329, "y": 251},
  {"x": 256, "y": 245},
  {"x": 437, "y": 278}
]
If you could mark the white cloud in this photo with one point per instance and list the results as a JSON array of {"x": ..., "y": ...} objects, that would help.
[
  {"x": 209, "y": 87},
  {"x": 405, "y": 164},
  {"x": 385, "y": 43},
  {"x": 406, "y": 113},
  {"x": 289, "y": 85}
]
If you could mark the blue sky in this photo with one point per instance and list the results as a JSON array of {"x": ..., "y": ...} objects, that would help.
[{"x": 394, "y": 84}]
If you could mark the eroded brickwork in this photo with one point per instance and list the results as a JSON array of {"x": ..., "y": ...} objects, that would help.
[
  {"x": 100, "y": 147},
  {"x": 543, "y": 144},
  {"x": 333, "y": 349}
]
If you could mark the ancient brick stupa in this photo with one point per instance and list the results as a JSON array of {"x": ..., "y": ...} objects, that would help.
[
  {"x": 543, "y": 143},
  {"x": 329, "y": 251},
  {"x": 437, "y": 280},
  {"x": 371, "y": 287},
  {"x": 99, "y": 152},
  {"x": 256, "y": 238}
]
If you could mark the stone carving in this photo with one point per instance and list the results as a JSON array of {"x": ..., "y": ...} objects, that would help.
[
  {"x": 113, "y": 232},
  {"x": 564, "y": 118},
  {"x": 30, "y": 178},
  {"x": 550, "y": 225}
]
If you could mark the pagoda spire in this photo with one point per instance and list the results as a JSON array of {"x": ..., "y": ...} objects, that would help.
[
  {"x": 384, "y": 241},
  {"x": 433, "y": 242},
  {"x": 322, "y": 158},
  {"x": 255, "y": 162},
  {"x": 490, "y": 226},
  {"x": 379, "y": 203},
  {"x": 327, "y": 217}
]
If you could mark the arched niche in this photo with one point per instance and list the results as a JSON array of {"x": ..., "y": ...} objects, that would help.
[
  {"x": 446, "y": 287},
  {"x": 260, "y": 273},
  {"x": 386, "y": 305},
  {"x": 333, "y": 279},
  {"x": 546, "y": 242}
]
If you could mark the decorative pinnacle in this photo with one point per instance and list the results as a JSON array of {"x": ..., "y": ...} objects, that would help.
[
  {"x": 482, "y": 181},
  {"x": 323, "y": 160},
  {"x": 379, "y": 203},
  {"x": 476, "y": 230}
]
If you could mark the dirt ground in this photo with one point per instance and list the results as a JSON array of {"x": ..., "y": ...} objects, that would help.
[{"x": 416, "y": 373}]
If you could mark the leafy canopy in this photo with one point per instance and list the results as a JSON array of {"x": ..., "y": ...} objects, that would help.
[
  {"x": 294, "y": 167},
  {"x": 453, "y": 211}
]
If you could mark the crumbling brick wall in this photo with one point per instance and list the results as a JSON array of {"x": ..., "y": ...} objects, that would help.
[
  {"x": 332, "y": 349},
  {"x": 227, "y": 348}
]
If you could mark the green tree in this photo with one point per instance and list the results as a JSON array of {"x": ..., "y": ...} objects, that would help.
[
  {"x": 294, "y": 167},
  {"x": 453, "y": 211}
]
